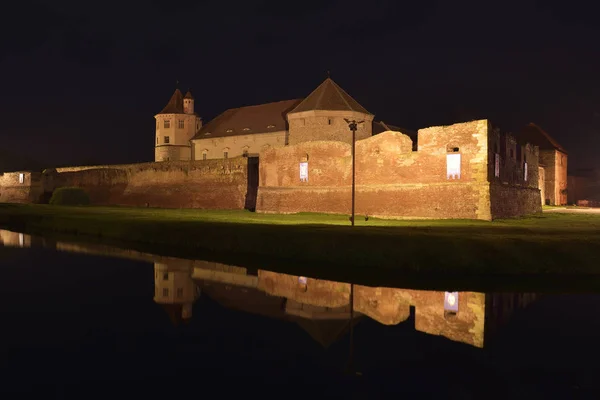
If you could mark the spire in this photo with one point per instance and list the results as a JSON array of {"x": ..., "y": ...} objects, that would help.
[
  {"x": 329, "y": 96},
  {"x": 175, "y": 104}
]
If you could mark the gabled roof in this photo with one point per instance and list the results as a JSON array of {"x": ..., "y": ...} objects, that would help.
[
  {"x": 175, "y": 105},
  {"x": 329, "y": 96},
  {"x": 537, "y": 136},
  {"x": 262, "y": 118}
]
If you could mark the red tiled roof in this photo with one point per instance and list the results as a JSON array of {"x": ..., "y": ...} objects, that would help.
[
  {"x": 329, "y": 96},
  {"x": 262, "y": 118},
  {"x": 175, "y": 105},
  {"x": 537, "y": 136}
]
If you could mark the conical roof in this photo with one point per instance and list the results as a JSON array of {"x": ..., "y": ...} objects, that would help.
[
  {"x": 331, "y": 97},
  {"x": 175, "y": 105},
  {"x": 188, "y": 95}
]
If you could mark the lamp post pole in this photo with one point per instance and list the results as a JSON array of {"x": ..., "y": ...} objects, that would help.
[{"x": 352, "y": 124}]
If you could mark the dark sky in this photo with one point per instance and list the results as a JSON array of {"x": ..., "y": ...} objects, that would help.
[{"x": 80, "y": 82}]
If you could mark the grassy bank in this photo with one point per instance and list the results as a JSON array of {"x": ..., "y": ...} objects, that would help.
[{"x": 548, "y": 244}]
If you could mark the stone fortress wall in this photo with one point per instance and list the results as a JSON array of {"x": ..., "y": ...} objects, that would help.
[{"x": 392, "y": 180}]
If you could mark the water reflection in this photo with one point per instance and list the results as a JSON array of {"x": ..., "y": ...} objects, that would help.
[{"x": 320, "y": 307}]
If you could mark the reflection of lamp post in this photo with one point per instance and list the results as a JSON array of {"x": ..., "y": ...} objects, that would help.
[
  {"x": 353, "y": 126},
  {"x": 351, "y": 355}
]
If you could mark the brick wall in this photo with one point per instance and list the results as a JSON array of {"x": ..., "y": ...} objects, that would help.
[
  {"x": 327, "y": 125},
  {"x": 391, "y": 179},
  {"x": 218, "y": 184},
  {"x": 13, "y": 190}
]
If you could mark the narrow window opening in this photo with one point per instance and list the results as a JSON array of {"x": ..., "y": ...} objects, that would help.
[
  {"x": 167, "y": 140},
  {"x": 21, "y": 178},
  {"x": 225, "y": 155},
  {"x": 165, "y": 276},
  {"x": 181, "y": 124},
  {"x": 204, "y": 156},
  {"x": 167, "y": 124}
]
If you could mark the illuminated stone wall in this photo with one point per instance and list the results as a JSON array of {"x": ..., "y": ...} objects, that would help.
[
  {"x": 555, "y": 168},
  {"x": 214, "y": 184},
  {"x": 394, "y": 181},
  {"x": 20, "y": 187}
]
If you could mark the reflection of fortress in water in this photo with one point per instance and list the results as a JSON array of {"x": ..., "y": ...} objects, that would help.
[{"x": 320, "y": 307}]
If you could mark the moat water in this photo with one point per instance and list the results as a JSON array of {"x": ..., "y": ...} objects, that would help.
[{"x": 90, "y": 321}]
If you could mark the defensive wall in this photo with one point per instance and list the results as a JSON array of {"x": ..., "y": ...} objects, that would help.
[
  {"x": 219, "y": 184},
  {"x": 466, "y": 170}
]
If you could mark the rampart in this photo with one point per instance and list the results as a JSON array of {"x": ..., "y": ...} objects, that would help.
[
  {"x": 213, "y": 184},
  {"x": 20, "y": 187}
]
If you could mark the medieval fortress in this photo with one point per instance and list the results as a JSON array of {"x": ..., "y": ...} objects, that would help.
[{"x": 296, "y": 156}]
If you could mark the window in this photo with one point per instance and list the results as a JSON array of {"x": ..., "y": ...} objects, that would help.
[
  {"x": 270, "y": 126},
  {"x": 497, "y": 165},
  {"x": 525, "y": 172},
  {"x": 246, "y": 129},
  {"x": 21, "y": 178},
  {"x": 165, "y": 276},
  {"x": 225, "y": 154},
  {"x": 180, "y": 124},
  {"x": 179, "y": 292},
  {"x": 329, "y": 121},
  {"x": 165, "y": 292},
  {"x": 167, "y": 124},
  {"x": 453, "y": 166},
  {"x": 229, "y": 130},
  {"x": 167, "y": 140},
  {"x": 204, "y": 156}
]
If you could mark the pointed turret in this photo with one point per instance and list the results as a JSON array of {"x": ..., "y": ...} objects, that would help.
[
  {"x": 323, "y": 114},
  {"x": 188, "y": 103},
  {"x": 331, "y": 97},
  {"x": 175, "y": 104}
]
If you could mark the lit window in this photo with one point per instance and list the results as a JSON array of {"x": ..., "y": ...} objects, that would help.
[
  {"x": 165, "y": 292},
  {"x": 525, "y": 171},
  {"x": 180, "y": 124},
  {"x": 179, "y": 292},
  {"x": 21, "y": 239},
  {"x": 165, "y": 276},
  {"x": 453, "y": 166},
  {"x": 229, "y": 130},
  {"x": 167, "y": 139},
  {"x": 21, "y": 178},
  {"x": 167, "y": 124},
  {"x": 497, "y": 165}
]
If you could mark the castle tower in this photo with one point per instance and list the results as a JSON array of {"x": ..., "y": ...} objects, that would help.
[
  {"x": 188, "y": 103},
  {"x": 175, "y": 290},
  {"x": 176, "y": 124},
  {"x": 321, "y": 116}
]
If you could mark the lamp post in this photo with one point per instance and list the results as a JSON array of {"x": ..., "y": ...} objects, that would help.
[{"x": 352, "y": 124}]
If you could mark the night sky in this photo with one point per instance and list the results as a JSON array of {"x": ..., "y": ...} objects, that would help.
[{"x": 80, "y": 82}]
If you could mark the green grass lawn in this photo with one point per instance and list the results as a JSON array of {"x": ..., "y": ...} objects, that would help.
[{"x": 328, "y": 246}]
